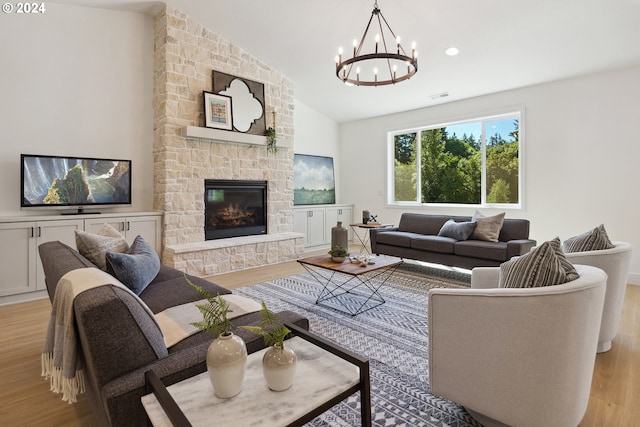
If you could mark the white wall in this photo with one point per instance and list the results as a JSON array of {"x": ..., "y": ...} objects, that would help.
[
  {"x": 582, "y": 156},
  {"x": 76, "y": 81},
  {"x": 317, "y": 134}
]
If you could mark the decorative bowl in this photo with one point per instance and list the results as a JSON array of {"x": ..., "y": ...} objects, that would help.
[{"x": 338, "y": 258}]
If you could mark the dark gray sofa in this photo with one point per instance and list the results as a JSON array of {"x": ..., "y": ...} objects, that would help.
[
  {"x": 119, "y": 342},
  {"x": 416, "y": 237}
]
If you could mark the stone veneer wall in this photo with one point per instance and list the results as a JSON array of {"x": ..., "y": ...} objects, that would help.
[{"x": 186, "y": 53}]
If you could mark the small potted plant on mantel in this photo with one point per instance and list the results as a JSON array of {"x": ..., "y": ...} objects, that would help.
[
  {"x": 338, "y": 254},
  {"x": 270, "y": 133},
  {"x": 278, "y": 362},
  {"x": 227, "y": 354}
]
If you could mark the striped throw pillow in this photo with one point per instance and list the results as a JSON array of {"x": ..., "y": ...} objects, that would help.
[
  {"x": 593, "y": 240},
  {"x": 545, "y": 265}
]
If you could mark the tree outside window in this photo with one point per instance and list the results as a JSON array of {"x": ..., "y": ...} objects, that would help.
[{"x": 472, "y": 163}]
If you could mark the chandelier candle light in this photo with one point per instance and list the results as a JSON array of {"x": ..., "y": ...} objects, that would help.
[{"x": 390, "y": 64}]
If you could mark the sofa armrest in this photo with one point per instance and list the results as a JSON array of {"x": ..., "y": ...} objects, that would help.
[
  {"x": 519, "y": 247},
  {"x": 373, "y": 236},
  {"x": 485, "y": 277}
]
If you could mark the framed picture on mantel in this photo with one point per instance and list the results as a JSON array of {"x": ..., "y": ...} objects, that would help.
[{"x": 217, "y": 111}]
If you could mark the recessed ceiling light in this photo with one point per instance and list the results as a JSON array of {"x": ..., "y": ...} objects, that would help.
[{"x": 452, "y": 51}]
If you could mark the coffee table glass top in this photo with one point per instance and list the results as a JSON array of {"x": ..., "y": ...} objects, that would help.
[{"x": 320, "y": 376}]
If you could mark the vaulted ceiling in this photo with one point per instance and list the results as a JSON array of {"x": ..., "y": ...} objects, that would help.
[{"x": 504, "y": 44}]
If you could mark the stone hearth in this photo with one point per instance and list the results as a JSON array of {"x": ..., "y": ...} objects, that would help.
[{"x": 186, "y": 53}]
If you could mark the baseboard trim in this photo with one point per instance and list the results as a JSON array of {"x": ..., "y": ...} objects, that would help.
[{"x": 634, "y": 279}]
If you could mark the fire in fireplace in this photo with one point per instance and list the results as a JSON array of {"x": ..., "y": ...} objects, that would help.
[{"x": 234, "y": 208}]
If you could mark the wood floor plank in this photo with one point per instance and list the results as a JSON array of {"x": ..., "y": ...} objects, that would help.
[{"x": 27, "y": 401}]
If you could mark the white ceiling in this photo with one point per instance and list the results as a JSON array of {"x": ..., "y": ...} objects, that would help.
[{"x": 504, "y": 44}]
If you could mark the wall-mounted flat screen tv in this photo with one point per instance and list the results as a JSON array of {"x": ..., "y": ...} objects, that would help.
[{"x": 56, "y": 181}]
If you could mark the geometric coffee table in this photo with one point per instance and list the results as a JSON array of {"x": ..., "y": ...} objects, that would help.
[{"x": 350, "y": 287}]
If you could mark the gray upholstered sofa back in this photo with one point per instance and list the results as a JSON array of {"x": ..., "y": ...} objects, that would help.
[
  {"x": 426, "y": 224},
  {"x": 512, "y": 228}
]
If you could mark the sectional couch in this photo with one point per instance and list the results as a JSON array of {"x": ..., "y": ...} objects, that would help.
[
  {"x": 119, "y": 341},
  {"x": 420, "y": 237}
]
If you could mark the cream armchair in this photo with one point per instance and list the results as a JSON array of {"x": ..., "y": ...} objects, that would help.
[
  {"x": 517, "y": 357},
  {"x": 615, "y": 262}
]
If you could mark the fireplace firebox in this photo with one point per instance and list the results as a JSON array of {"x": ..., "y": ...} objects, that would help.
[{"x": 234, "y": 208}]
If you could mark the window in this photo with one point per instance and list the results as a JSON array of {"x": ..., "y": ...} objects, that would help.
[{"x": 476, "y": 162}]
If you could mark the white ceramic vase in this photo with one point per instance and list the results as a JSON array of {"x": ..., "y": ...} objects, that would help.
[
  {"x": 226, "y": 364},
  {"x": 279, "y": 367}
]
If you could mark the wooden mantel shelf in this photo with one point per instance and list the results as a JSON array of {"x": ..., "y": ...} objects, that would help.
[{"x": 225, "y": 136}]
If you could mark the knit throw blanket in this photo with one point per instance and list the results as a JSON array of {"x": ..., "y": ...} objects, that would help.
[
  {"x": 176, "y": 322},
  {"x": 61, "y": 361}
]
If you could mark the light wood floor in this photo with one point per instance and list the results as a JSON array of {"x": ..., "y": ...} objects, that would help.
[{"x": 25, "y": 399}]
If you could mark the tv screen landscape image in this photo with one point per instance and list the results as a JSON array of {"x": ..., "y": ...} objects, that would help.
[{"x": 74, "y": 181}]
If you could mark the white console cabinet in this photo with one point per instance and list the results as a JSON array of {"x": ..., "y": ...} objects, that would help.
[
  {"x": 20, "y": 268},
  {"x": 316, "y": 221},
  {"x": 21, "y": 274}
]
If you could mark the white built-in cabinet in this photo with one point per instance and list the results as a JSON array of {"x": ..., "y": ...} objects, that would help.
[
  {"x": 147, "y": 226},
  {"x": 21, "y": 271},
  {"x": 316, "y": 221}
]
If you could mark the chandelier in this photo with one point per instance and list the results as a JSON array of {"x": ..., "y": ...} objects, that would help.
[{"x": 387, "y": 64}]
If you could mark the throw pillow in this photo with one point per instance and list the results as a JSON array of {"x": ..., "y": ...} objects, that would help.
[
  {"x": 545, "y": 265},
  {"x": 593, "y": 240},
  {"x": 95, "y": 246},
  {"x": 137, "y": 268},
  {"x": 457, "y": 230},
  {"x": 487, "y": 227}
]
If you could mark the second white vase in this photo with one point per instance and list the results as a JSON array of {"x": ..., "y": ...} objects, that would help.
[
  {"x": 279, "y": 367},
  {"x": 226, "y": 364}
]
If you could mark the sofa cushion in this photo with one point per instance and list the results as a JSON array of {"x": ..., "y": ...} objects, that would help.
[
  {"x": 514, "y": 229},
  {"x": 545, "y": 265},
  {"x": 495, "y": 251},
  {"x": 433, "y": 244},
  {"x": 396, "y": 238},
  {"x": 94, "y": 247},
  {"x": 174, "y": 290},
  {"x": 137, "y": 268},
  {"x": 457, "y": 230},
  {"x": 487, "y": 227},
  {"x": 593, "y": 240}
]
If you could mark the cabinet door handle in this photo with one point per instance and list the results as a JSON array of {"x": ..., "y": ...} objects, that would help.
[
  {"x": 339, "y": 211},
  {"x": 122, "y": 226},
  {"x": 32, "y": 232},
  {"x": 39, "y": 231},
  {"x": 128, "y": 226},
  {"x": 310, "y": 214}
]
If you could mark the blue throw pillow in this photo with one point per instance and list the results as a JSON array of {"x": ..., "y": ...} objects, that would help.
[
  {"x": 457, "y": 230},
  {"x": 136, "y": 268}
]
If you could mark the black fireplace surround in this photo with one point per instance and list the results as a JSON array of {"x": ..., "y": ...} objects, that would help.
[{"x": 234, "y": 208}]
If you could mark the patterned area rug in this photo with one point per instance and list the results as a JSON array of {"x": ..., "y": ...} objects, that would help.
[{"x": 393, "y": 336}]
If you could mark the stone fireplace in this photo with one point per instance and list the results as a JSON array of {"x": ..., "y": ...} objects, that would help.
[
  {"x": 234, "y": 208},
  {"x": 186, "y": 54}
]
